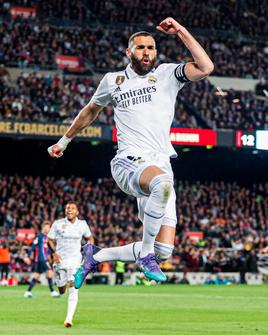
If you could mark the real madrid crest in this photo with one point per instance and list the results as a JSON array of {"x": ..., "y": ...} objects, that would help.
[
  {"x": 119, "y": 80},
  {"x": 152, "y": 79}
]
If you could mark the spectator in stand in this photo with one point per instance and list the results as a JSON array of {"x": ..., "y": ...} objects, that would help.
[
  {"x": 4, "y": 262},
  {"x": 36, "y": 44},
  {"x": 248, "y": 16},
  {"x": 236, "y": 110}
]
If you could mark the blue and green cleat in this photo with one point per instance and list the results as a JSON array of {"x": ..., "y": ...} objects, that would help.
[
  {"x": 88, "y": 265},
  {"x": 149, "y": 266}
]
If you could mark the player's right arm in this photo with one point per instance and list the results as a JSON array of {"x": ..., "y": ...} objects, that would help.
[
  {"x": 85, "y": 117},
  {"x": 52, "y": 243},
  {"x": 52, "y": 248}
]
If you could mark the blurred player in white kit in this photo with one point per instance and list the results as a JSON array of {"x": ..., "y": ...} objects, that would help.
[
  {"x": 65, "y": 238},
  {"x": 144, "y": 99}
]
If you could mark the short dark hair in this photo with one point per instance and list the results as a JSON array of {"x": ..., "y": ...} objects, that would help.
[
  {"x": 46, "y": 222},
  {"x": 139, "y": 33},
  {"x": 72, "y": 203}
]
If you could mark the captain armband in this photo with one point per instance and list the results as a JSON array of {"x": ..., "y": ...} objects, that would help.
[{"x": 180, "y": 74}]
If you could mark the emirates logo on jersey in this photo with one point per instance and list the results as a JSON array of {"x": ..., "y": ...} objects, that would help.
[
  {"x": 119, "y": 80},
  {"x": 134, "y": 97}
]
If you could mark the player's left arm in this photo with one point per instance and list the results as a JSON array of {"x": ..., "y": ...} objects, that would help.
[
  {"x": 87, "y": 233},
  {"x": 202, "y": 65}
]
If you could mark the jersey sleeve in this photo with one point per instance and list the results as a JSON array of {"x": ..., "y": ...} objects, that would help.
[
  {"x": 52, "y": 232},
  {"x": 102, "y": 96},
  {"x": 87, "y": 232},
  {"x": 175, "y": 73}
]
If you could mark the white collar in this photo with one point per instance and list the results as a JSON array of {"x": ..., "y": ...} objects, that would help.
[{"x": 69, "y": 222}]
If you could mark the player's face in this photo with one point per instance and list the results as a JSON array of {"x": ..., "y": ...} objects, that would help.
[
  {"x": 142, "y": 54},
  {"x": 71, "y": 211},
  {"x": 45, "y": 229}
]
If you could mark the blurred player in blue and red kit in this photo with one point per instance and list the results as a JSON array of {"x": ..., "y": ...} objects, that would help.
[{"x": 41, "y": 261}]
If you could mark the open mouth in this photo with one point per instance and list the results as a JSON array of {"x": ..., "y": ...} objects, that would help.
[{"x": 146, "y": 61}]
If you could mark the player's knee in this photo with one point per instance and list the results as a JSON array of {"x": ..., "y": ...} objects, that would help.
[
  {"x": 49, "y": 274},
  {"x": 62, "y": 289},
  {"x": 162, "y": 186},
  {"x": 163, "y": 250}
]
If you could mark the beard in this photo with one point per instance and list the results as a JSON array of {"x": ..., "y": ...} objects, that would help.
[{"x": 141, "y": 68}]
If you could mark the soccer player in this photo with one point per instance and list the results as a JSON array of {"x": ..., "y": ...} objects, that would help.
[
  {"x": 65, "y": 238},
  {"x": 41, "y": 261},
  {"x": 143, "y": 98}
]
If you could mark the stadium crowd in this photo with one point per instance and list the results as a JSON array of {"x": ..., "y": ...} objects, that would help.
[
  {"x": 232, "y": 218},
  {"x": 248, "y": 17},
  {"x": 36, "y": 44},
  {"x": 69, "y": 10},
  {"x": 37, "y": 97},
  {"x": 229, "y": 109}
]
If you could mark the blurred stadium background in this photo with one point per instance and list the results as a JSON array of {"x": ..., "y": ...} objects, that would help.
[{"x": 52, "y": 56}]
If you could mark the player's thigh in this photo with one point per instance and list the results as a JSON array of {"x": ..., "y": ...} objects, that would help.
[
  {"x": 126, "y": 172},
  {"x": 60, "y": 276},
  {"x": 41, "y": 267},
  {"x": 147, "y": 175},
  {"x": 130, "y": 173},
  {"x": 159, "y": 166}
]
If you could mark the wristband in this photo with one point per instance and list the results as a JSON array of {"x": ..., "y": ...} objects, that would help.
[{"x": 63, "y": 142}]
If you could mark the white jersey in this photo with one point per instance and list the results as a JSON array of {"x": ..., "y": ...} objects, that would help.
[
  {"x": 68, "y": 238},
  {"x": 143, "y": 107}
]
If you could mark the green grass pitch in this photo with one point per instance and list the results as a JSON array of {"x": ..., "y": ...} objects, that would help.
[{"x": 157, "y": 310}]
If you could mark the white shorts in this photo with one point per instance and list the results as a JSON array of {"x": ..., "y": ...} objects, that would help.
[
  {"x": 63, "y": 275},
  {"x": 126, "y": 172}
]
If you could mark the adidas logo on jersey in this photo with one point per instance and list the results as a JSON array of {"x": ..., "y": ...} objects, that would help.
[{"x": 117, "y": 89}]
